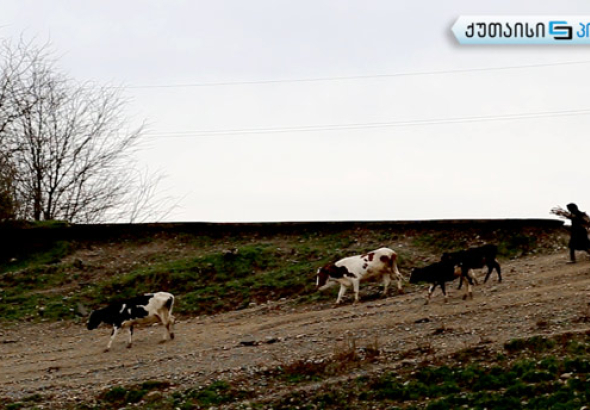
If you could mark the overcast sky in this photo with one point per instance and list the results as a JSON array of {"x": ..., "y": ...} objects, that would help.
[{"x": 392, "y": 68}]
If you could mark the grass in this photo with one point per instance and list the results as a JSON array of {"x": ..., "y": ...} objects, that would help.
[
  {"x": 37, "y": 259},
  {"x": 215, "y": 282},
  {"x": 534, "y": 344},
  {"x": 538, "y": 373},
  {"x": 22, "y": 293},
  {"x": 120, "y": 396},
  {"x": 216, "y": 393},
  {"x": 510, "y": 244},
  {"x": 206, "y": 278},
  {"x": 212, "y": 282},
  {"x": 345, "y": 358},
  {"x": 526, "y": 377},
  {"x": 26, "y": 403},
  {"x": 439, "y": 242},
  {"x": 23, "y": 280}
]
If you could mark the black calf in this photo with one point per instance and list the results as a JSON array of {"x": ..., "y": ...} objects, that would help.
[
  {"x": 476, "y": 258},
  {"x": 437, "y": 274}
]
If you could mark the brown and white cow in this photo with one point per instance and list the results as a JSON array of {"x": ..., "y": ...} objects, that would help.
[{"x": 352, "y": 270}]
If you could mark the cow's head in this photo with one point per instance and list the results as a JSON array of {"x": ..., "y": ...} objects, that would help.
[
  {"x": 323, "y": 277},
  {"x": 94, "y": 320},
  {"x": 326, "y": 274}
]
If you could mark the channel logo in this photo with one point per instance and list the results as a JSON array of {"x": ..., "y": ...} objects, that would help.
[{"x": 522, "y": 30}]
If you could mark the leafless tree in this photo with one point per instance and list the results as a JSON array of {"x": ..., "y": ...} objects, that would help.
[
  {"x": 145, "y": 203},
  {"x": 17, "y": 62},
  {"x": 68, "y": 143},
  {"x": 8, "y": 206}
]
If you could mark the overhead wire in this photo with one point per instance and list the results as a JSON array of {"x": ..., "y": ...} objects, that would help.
[
  {"x": 359, "y": 126},
  {"x": 351, "y": 77}
]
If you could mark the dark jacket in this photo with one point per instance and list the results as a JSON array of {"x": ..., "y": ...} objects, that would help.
[{"x": 579, "y": 236}]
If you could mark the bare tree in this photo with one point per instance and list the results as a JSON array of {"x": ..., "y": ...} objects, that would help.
[
  {"x": 68, "y": 143},
  {"x": 17, "y": 62},
  {"x": 144, "y": 204},
  {"x": 72, "y": 152},
  {"x": 8, "y": 206}
]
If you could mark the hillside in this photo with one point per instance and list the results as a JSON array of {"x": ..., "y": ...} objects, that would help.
[
  {"x": 60, "y": 272},
  {"x": 253, "y": 333}
]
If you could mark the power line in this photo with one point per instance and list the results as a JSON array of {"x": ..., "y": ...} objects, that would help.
[
  {"x": 352, "y": 77},
  {"x": 358, "y": 126}
]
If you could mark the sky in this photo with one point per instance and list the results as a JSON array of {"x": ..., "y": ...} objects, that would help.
[{"x": 269, "y": 110}]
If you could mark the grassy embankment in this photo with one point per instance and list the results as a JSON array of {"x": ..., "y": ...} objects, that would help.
[{"x": 216, "y": 273}]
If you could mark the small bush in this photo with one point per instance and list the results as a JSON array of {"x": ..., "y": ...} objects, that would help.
[
  {"x": 534, "y": 344},
  {"x": 114, "y": 395}
]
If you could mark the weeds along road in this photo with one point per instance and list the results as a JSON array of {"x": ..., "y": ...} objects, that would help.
[{"x": 64, "y": 362}]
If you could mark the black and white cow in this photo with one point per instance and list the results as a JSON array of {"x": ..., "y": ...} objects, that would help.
[
  {"x": 147, "y": 308},
  {"x": 352, "y": 270},
  {"x": 437, "y": 274},
  {"x": 476, "y": 258}
]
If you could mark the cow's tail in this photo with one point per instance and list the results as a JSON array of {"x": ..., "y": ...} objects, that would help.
[
  {"x": 170, "y": 304},
  {"x": 393, "y": 266}
]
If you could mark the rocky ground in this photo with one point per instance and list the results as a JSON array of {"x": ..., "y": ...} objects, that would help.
[{"x": 65, "y": 363}]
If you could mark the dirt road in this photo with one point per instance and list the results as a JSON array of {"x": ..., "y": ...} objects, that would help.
[{"x": 65, "y": 362}]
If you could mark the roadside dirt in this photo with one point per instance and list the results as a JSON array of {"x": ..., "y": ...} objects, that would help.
[{"x": 64, "y": 362}]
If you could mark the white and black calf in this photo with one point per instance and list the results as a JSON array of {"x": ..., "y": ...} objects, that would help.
[
  {"x": 352, "y": 270},
  {"x": 144, "y": 309}
]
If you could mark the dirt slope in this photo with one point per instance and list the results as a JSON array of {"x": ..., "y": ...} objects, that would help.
[{"x": 65, "y": 362}]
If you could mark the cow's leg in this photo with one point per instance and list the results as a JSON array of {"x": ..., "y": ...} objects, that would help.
[
  {"x": 356, "y": 286},
  {"x": 166, "y": 335},
  {"x": 167, "y": 321},
  {"x": 170, "y": 326},
  {"x": 400, "y": 278},
  {"x": 113, "y": 335},
  {"x": 473, "y": 277},
  {"x": 469, "y": 289},
  {"x": 442, "y": 287},
  {"x": 491, "y": 265},
  {"x": 490, "y": 269},
  {"x": 386, "y": 282},
  {"x": 430, "y": 290},
  {"x": 130, "y": 337},
  {"x": 162, "y": 316},
  {"x": 498, "y": 270},
  {"x": 494, "y": 265},
  {"x": 341, "y": 293}
]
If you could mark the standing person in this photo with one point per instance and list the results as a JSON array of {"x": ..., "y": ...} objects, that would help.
[{"x": 579, "y": 236}]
